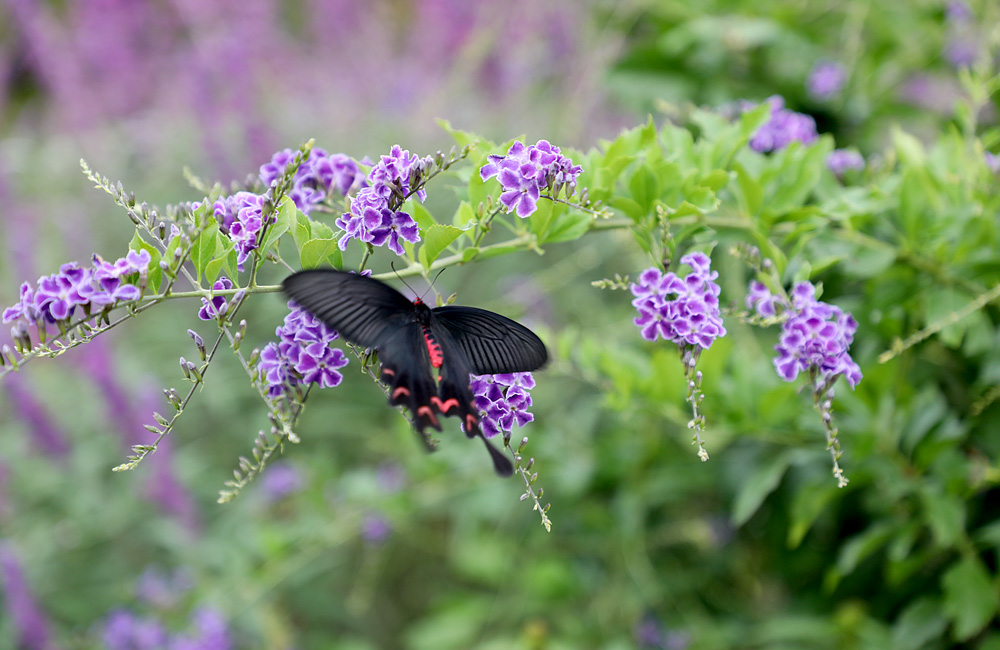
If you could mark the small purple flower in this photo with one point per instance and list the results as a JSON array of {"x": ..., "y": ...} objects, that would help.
[
  {"x": 684, "y": 310},
  {"x": 281, "y": 480},
  {"x": 815, "y": 335},
  {"x": 962, "y": 50},
  {"x": 216, "y": 306},
  {"x": 957, "y": 11},
  {"x": 841, "y": 160},
  {"x": 126, "y": 631},
  {"x": 302, "y": 354},
  {"x": 784, "y": 127},
  {"x": 992, "y": 162},
  {"x": 375, "y": 528},
  {"x": 527, "y": 171},
  {"x": 826, "y": 79},
  {"x": 23, "y": 611},
  {"x": 316, "y": 177},
  {"x": 241, "y": 218},
  {"x": 375, "y": 217},
  {"x": 211, "y": 632},
  {"x": 502, "y": 400}
]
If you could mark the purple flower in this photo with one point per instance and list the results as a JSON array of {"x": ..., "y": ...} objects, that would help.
[
  {"x": 280, "y": 481},
  {"x": 962, "y": 50},
  {"x": 57, "y": 296},
  {"x": 216, "y": 306},
  {"x": 45, "y": 432},
  {"x": 160, "y": 589},
  {"x": 241, "y": 218},
  {"x": 375, "y": 528},
  {"x": 375, "y": 217},
  {"x": 815, "y": 335},
  {"x": 682, "y": 310},
  {"x": 784, "y": 128},
  {"x": 992, "y": 162},
  {"x": 316, "y": 177},
  {"x": 841, "y": 160},
  {"x": 23, "y": 611},
  {"x": 126, "y": 631},
  {"x": 957, "y": 11},
  {"x": 826, "y": 79},
  {"x": 527, "y": 171},
  {"x": 502, "y": 401},
  {"x": 211, "y": 632},
  {"x": 302, "y": 354}
]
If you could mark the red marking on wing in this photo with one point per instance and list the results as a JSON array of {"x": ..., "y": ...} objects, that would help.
[
  {"x": 433, "y": 349},
  {"x": 402, "y": 390},
  {"x": 471, "y": 421},
  {"x": 388, "y": 372},
  {"x": 426, "y": 411},
  {"x": 445, "y": 405}
]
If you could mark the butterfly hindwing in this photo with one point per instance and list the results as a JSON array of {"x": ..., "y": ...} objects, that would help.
[
  {"x": 492, "y": 343},
  {"x": 365, "y": 311},
  {"x": 407, "y": 372}
]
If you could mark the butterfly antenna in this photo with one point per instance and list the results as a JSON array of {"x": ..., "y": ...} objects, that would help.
[{"x": 392, "y": 265}]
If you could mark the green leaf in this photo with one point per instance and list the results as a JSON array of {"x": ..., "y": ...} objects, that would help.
[
  {"x": 320, "y": 230},
  {"x": 203, "y": 249},
  {"x": 462, "y": 138},
  {"x": 970, "y": 597},
  {"x": 567, "y": 227},
  {"x": 302, "y": 230},
  {"x": 909, "y": 148},
  {"x": 761, "y": 483},
  {"x": 644, "y": 187},
  {"x": 420, "y": 214},
  {"x": 807, "y": 505},
  {"x": 435, "y": 240},
  {"x": 286, "y": 216},
  {"x": 919, "y": 624},
  {"x": 465, "y": 217},
  {"x": 320, "y": 252},
  {"x": 750, "y": 194},
  {"x": 469, "y": 253},
  {"x": 945, "y": 515},
  {"x": 155, "y": 273},
  {"x": 862, "y": 545},
  {"x": 223, "y": 248},
  {"x": 541, "y": 219}
]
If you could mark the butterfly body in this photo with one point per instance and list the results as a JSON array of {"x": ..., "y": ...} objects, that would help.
[{"x": 413, "y": 340}]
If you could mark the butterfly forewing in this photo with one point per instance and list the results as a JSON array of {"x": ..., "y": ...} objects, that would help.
[
  {"x": 365, "y": 311},
  {"x": 492, "y": 343}
]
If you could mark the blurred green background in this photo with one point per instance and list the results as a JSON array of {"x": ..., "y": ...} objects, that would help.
[{"x": 356, "y": 539}]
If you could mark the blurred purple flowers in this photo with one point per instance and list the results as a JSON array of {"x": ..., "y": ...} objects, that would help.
[
  {"x": 124, "y": 630},
  {"x": 527, "y": 171},
  {"x": 375, "y": 217},
  {"x": 241, "y": 218},
  {"x": 784, "y": 127},
  {"x": 815, "y": 336},
  {"x": 316, "y": 177},
  {"x": 102, "y": 286},
  {"x": 841, "y": 160},
  {"x": 992, "y": 162},
  {"x": 20, "y": 605},
  {"x": 302, "y": 354},
  {"x": 826, "y": 80},
  {"x": 503, "y": 401},
  {"x": 691, "y": 316},
  {"x": 281, "y": 480}
]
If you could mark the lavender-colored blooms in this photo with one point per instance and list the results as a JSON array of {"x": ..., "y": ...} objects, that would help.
[
  {"x": 527, "y": 171},
  {"x": 826, "y": 80},
  {"x": 58, "y": 296},
  {"x": 281, "y": 480},
  {"x": 375, "y": 217},
  {"x": 216, "y": 306},
  {"x": 302, "y": 354},
  {"x": 684, "y": 310},
  {"x": 992, "y": 162},
  {"x": 125, "y": 631},
  {"x": 162, "y": 590},
  {"x": 241, "y": 218},
  {"x": 962, "y": 50},
  {"x": 211, "y": 633},
  {"x": 814, "y": 336},
  {"x": 784, "y": 127},
  {"x": 957, "y": 11},
  {"x": 375, "y": 528},
  {"x": 841, "y": 160},
  {"x": 316, "y": 177},
  {"x": 502, "y": 401},
  {"x": 22, "y": 610},
  {"x": 45, "y": 433}
]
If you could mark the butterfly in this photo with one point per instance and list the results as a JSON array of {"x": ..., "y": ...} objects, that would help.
[{"x": 413, "y": 339}]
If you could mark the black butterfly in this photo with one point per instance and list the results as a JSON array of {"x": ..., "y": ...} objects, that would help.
[{"x": 411, "y": 338}]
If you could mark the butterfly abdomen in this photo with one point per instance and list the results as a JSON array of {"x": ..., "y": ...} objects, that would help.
[{"x": 433, "y": 348}]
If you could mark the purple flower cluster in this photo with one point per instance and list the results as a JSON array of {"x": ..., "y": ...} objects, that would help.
[
  {"x": 375, "y": 217},
  {"x": 124, "y": 630},
  {"x": 281, "y": 480},
  {"x": 826, "y": 79},
  {"x": 841, "y": 160},
  {"x": 302, "y": 354},
  {"x": 216, "y": 306},
  {"x": 527, "y": 171},
  {"x": 241, "y": 218},
  {"x": 503, "y": 401},
  {"x": 93, "y": 289},
  {"x": 316, "y": 177},
  {"x": 815, "y": 335},
  {"x": 784, "y": 127},
  {"x": 992, "y": 162},
  {"x": 683, "y": 310},
  {"x": 22, "y": 610}
]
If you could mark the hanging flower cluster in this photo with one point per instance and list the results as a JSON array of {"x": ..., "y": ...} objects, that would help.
[
  {"x": 316, "y": 178},
  {"x": 527, "y": 171},
  {"x": 784, "y": 127},
  {"x": 502, "y": 400},
  {"x": 302, "y": 354}
]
